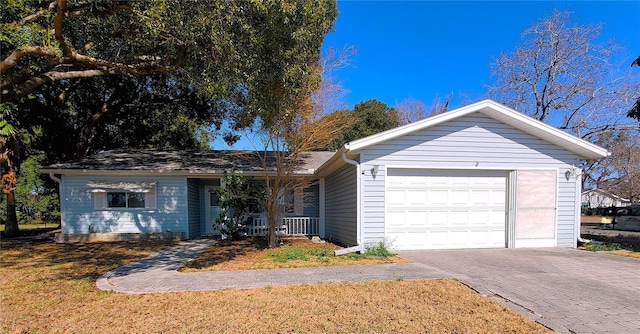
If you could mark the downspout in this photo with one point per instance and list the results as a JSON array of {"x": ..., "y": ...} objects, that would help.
[
  {"x": 579, "y": 207},
  {"x": 358, "y": 247},
  {"x": 55, "y": 178}
]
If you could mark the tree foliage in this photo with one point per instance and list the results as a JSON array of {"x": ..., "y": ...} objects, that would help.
[
  {"x": 105, "y": 70},
  {"x": 634, "y": 112},
  {"x": 36, "y": 200},
  {"x": 86, "y": 115},
  {"x": 367, "y": 118},
  {"x": 238, "y": 198}
]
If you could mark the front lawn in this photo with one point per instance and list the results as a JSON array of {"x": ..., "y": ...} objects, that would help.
[
  {"x": 253, "y": 253},
  {"x": 620, "y": 244},
  {"x": 50, "y": 288}
]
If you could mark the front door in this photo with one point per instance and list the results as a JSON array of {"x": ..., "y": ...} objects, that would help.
[{"x": 212, "y": 210}]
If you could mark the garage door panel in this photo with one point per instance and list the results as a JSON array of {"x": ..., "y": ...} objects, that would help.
[
  {"x": 396, "y": 197},
  {"x": 459, "y": 198},
  {"x": 438, "y": 198},
  {"x": 395, "y": 219},
  {"x": 446, "y": 209},
  {"x": 416, "y": 197},
  {"x": 415, "y": 218}
]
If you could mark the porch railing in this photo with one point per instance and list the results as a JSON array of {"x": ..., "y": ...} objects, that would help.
[{"x": 285, "y": 226}]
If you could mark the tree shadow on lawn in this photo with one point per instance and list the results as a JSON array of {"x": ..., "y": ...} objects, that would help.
[
  {"x": 226, "y": 251},
  {"x": 73, "y": 261}
]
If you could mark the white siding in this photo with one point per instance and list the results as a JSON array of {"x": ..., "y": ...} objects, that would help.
[
  {"x": 78, "y": 210},
  {"x": 475, "y": 141},
  {"x": 341, "y": 203}
]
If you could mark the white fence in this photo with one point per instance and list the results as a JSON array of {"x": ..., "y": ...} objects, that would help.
[{"x": 286, "y": 226}]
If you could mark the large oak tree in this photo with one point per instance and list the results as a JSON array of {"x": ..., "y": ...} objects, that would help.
[{"x": 262, "y": 53}]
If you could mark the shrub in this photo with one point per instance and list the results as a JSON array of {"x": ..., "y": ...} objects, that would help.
[
  {"x": 378, "y": 249},
  {"x": 605, "y": 247}
]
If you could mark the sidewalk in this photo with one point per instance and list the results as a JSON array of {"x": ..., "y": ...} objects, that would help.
[{"x": 159, "y": 273}]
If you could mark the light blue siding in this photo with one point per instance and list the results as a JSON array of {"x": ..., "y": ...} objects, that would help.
[
  {"x": 193, "y": 195},
  {"x": 341, "y": 219},
  {"x": 472, "y": 142},
  {"x": 78, "y": 212}
]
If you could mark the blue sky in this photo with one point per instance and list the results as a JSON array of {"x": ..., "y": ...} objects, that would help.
[{"x": 421, "y": 49}]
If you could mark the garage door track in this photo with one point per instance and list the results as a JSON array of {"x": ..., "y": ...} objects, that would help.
[{"x": 568, "y": 290}]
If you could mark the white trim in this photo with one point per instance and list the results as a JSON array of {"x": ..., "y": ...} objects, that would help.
[{"x": 496, "y": 111}]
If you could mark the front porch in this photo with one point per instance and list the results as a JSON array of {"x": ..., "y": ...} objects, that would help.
[{"x": 286, "y": 226}]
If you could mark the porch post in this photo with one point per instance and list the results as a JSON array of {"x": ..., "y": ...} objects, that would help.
[{"x": 321, "y": 227}]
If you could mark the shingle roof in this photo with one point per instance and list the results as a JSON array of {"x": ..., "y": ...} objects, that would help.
[{"x": 186, "y": 162}]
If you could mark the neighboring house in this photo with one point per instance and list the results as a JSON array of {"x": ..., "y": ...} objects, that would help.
[
  {"x": 481, "y": 176},
  {"x": 597, "y": 198}
]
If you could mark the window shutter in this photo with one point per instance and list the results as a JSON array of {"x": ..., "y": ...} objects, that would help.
[
  {"x": 150, "y": 199},
  {"x": 99, "y": 200}
]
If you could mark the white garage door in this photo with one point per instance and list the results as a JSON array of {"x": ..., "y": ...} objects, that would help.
[{"x": 444, "y": 209}]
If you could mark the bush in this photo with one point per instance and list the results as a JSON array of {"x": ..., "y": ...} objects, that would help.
[
  {"x": 605, "y": 247},
  {"x": 378, "y": 249}
]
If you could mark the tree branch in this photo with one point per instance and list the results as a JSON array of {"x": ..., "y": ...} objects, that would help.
[{"x": 15, "y": 56}]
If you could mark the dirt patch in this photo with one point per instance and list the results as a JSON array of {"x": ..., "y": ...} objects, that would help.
[{"x": 253, "y": 253}]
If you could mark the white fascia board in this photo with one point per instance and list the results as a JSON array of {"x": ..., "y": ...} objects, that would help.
[
  {"x": 332, "y": 164},
  {"x": 498, "y": 112},
  {"x": 544, "y": 131}
]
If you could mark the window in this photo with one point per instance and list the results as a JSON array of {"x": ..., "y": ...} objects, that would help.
[
  {"x": 122, "y": 195},
  {"x": 291, "y": 201},
  {"x": 125, "y": 200}
]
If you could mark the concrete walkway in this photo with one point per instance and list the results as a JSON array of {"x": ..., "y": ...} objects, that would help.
[
  {"x": 159, "y": 273},
  {"x": 567, "y": 290}
]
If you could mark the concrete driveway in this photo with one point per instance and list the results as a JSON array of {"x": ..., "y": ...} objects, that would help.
[{"x": 568, "y": 290}]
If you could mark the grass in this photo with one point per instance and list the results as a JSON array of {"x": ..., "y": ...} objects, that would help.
[
  {"x": 253, "y": 254},
  {"x": 24, "y": 227},
  {"x": 621, "y": 244},
  {"x": 50, "y": 288}
]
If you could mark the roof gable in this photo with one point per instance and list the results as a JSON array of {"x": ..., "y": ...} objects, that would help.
[{"x": 498, "y": 112}]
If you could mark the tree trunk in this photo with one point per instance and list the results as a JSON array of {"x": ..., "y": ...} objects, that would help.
[
  {"x": 271, "y": 219},
  {"x": 11, "y": 225}
]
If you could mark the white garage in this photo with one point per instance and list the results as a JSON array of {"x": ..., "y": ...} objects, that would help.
[
  {"x": 481, "y": 176},
  {"x": 445, "y": 209}
]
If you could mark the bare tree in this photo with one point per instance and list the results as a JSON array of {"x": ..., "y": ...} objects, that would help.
[
  {"x": 330, "y": 94},
  {"x": 412, "y": 110},
  {"x": 562, "y": 76},
  {"x": 282, "y": 149},
  {"x": 619, "y": 173}
]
